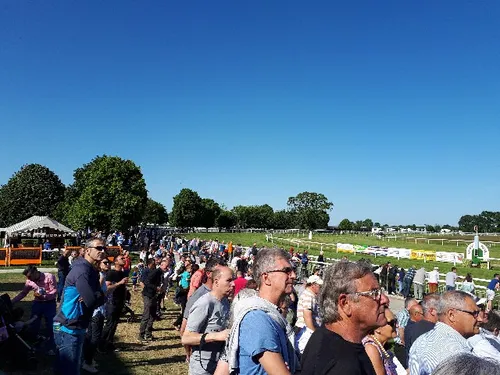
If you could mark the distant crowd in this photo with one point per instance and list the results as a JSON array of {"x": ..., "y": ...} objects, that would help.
[{"x": 265, "y": 311}]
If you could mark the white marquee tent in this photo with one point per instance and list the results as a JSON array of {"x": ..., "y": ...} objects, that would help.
[{"x": 38, "y": 226}]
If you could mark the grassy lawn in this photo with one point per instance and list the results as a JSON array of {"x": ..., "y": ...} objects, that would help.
[{"x": 165, "y": 355}]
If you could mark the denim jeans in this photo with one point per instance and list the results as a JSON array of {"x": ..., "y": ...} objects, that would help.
[
  {"x": 47, "y": 311},
  {"x": 69, "y": 352}
]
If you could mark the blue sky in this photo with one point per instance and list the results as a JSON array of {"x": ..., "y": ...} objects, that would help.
[{"x": 390, "y": 109}]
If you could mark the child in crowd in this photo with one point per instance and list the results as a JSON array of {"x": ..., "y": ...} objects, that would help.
[{"x": 135, "y": 277}]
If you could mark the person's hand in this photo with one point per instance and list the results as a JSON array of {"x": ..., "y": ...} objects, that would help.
[
  {"x": 36, "y": 294},
  {"x": 222, "y": 335},
  {"x": 124, "y": 281}
]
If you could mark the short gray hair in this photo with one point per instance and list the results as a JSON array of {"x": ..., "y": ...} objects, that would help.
[
  {"x": 339, "y": 279},
  {"x": 467, "y": 364},
  {"x": 430, "y": 301},
  {"x": 264, "y": 261},
  {"x": 453, "y": 299}
]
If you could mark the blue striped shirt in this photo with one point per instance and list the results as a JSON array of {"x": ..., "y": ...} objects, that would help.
[
  {"x": 433, "y": 347},
  {"x": 402, "y": 317}
]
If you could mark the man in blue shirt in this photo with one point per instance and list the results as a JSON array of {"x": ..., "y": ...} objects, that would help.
[
  {"x": 261, "y": 341},
  {"x": 81, "y": 295}
]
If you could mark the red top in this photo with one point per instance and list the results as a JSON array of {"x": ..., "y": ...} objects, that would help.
[{"x": 239, "y": 283}]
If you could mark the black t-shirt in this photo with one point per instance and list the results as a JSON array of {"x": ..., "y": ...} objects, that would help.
[
  {"x": 153, "y": 280},
  {"x": 242, "y": 265},
  {"x": 327, "y": 353},
  {"x": 119, "y": 294},
  {"x": 63, "y": 265}
]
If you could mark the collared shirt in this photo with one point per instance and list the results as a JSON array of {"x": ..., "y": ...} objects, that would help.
[
  {"x": 403, "y": 316},
  {"x": 46, "y": 281},
  {"x": 483, "y": 348},
  {"x": 432, "y": 348}
]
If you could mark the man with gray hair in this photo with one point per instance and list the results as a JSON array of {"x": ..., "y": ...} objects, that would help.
[
  {"x": 261, "y": 340},
  {"x": 467, "y": 364},
  {"x": 352, "y": 304},
  {"x": 459, "y": 319},
  {"x": 430, "y": 305}
]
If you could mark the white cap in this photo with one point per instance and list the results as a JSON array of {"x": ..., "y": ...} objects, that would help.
[{"x": 314, "y": 279}]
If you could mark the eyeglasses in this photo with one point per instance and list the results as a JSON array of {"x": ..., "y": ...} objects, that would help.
[
  {"x": 99, "y": 248},
  {"x": 374, "y": 294},
  {"x": 474, "y": 314},
  {"x": 287, "y": 270},
  {"x": 393, "y": 323},
  {"x": 106, "y": 263}
]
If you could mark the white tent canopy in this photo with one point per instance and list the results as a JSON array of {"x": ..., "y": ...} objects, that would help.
[{"x": 36, "y": 223}]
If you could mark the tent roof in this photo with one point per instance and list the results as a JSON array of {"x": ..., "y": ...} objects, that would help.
[{"x": 37, "y": 222}]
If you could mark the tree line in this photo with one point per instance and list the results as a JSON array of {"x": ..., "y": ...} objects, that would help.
[{"x": 109, "y": 193}]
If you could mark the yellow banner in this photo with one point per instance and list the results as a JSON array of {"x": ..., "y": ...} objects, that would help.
[{"x": 423, "y": 255}]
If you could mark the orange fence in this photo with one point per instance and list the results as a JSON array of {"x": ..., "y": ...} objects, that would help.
[
  {"x": 24, "y": 255},
  {"x": 3, "y": 257},
  {"x": 33, "y": 255}
]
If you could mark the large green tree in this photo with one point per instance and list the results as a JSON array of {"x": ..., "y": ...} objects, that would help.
[
  {"x": 210, "y": 211},
  {"x": 33, "y": 190},
  {"x": 154, "y": 213},
  {"x": 226, "y": 220},
  {"x": 284, "y": 219},
  {"x": 109, "y": 193},
  {"x": 310, "y": 209},
  {"x": 187, "y": 209},
  {"x": 345, "y": 225}
]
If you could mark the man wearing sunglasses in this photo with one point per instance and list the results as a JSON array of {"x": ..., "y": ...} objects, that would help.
[
  {"x": 82, "y": 294},
  {"x": 459, "y": 319}
]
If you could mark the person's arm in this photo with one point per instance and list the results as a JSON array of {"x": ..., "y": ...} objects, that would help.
[
  {"x": 27, "y": 288},
  {"x": 274, "y": 364},
  {"x": 194, "y": 338},
  {"x": 401, "y": 331},
  {"x": 110, "y": 286},
  {"x": 91, "y": 299},
  {"x": 308, "y": 319},
  {"x": 374, "y": 355}
]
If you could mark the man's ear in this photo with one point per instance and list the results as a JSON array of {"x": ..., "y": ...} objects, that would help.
[{"x": 345, "y": 304}]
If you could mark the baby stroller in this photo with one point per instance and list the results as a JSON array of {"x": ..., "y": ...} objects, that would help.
[
  {"x": 127, "y": 311},
  {"x": 14, "y": 350}
]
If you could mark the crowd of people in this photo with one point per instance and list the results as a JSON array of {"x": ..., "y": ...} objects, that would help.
[{"x": 258, "y": 311}]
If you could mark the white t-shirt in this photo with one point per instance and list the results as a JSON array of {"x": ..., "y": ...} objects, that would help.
[
  {"x": 451, "y": 277},
  {"x": 434, "y": 277}
]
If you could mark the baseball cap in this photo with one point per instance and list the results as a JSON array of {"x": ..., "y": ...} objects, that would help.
[{"x": 314, "y": 279}]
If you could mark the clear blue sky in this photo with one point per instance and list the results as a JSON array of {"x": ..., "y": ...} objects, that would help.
[{"x": 390, "y": 109}]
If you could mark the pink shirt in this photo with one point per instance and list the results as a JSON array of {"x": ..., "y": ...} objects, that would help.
[
  {"x": 239, "y": 283},
  {"x": 46, "y": 281}
]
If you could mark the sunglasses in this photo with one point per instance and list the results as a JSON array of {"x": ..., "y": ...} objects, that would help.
[
  {"x": 287, "y": 270},
  {"x": 393, "y": 323},
  {"x": 106, "y": 263},
  {"x": 99, "y": 248}
]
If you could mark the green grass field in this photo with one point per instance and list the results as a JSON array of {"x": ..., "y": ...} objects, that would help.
[{"x": 162, "y": 356}]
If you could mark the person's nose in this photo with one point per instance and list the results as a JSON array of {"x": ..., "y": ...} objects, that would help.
[{"x": 384, "y": 300}]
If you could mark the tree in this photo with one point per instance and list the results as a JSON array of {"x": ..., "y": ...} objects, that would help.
[
  {"x": 33, "y": 190},
  {"x": 226, "y": 219},
  {"x": 187, "y": 209},
  {"x": 310, "y": 209},
  {"x": 430, "y": 228},
  {"x": 283, "y": 219},
  {"x": 209, "y": 213},
  {"x": 368, "y": 224},
  {"x": 154, "y": 213},
  {"x": 109, "y": 193},
  {"x": 345, "y": 225},
  {"x": 377, "y": 224}
]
